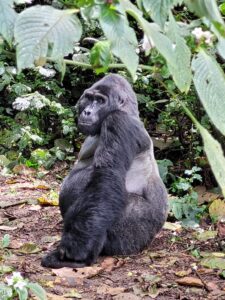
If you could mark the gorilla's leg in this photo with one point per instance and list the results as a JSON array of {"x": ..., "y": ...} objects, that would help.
[{"x": 142, "y": 220}]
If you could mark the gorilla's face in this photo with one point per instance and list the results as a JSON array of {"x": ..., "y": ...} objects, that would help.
[
  {"x": 93, "y": 107},
  {"x": 111, "y": 93}
]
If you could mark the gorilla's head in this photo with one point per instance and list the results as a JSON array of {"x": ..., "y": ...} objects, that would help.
[{"x": 109, "y": 94}]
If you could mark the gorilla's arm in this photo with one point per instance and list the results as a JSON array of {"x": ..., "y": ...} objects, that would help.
[
  {"x": 101, "y": 203},
  {"x": 122, "y": 137}
]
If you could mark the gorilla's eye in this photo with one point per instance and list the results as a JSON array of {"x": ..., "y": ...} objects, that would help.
[{"x": 101, "y": 100}]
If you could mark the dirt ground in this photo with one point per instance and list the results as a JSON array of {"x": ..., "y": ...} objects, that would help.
[{"x": 171, "y": 268}]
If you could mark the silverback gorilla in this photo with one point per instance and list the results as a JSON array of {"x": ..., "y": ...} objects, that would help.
[{"x": 113, "y": 201}]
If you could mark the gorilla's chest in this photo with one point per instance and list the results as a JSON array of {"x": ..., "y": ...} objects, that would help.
[{"x": 138, "y": 175}]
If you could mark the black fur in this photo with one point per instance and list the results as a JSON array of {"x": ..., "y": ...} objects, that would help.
[{"x": 100, "y": 215}]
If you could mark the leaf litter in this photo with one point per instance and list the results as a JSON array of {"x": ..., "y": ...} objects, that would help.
[{"x": 180, "y": 264}]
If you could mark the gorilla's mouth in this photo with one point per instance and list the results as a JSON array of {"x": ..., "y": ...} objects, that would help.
[{"x": 85, "y": 123}]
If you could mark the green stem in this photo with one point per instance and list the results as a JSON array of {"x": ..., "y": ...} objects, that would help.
[
  {"x": 176, "y": 98},
  {"x": 89, "y": 66}
]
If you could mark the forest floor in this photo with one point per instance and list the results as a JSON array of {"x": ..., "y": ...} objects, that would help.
[{"x": 180, "y": 264}]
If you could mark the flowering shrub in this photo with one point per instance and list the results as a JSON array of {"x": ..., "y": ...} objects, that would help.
[{"x": 17, "y": 286}]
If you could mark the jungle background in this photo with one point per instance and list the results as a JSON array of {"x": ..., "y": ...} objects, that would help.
[{"x": 39, "y": 143}]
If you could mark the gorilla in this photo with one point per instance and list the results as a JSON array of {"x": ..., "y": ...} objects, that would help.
[{"x": 113, "y": 202}]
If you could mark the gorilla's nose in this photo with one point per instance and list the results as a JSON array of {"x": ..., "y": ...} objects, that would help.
[{"x": 86, "y": 112}]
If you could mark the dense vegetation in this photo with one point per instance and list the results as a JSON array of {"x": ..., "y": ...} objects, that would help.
[{"x": 172, "y": 51}]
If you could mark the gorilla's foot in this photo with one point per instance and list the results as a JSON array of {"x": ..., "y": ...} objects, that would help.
[{"x": 52, "y": 260}]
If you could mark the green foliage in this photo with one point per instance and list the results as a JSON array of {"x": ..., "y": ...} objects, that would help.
[
  {"x": 158, "y": 10},
  {"x": 185, "y": 207},
  {"x": 38, "y": 116},
  {"x": 57, "y": 31},
  {"x": 184, "y": 184},
  {"x": 7, "y": 17},
  {"x": 215, "y": 156},
  {"x": 209, "y": 81},
  {"x": 122, "y": 37},
  {"x": 100, "y": 56},
  {"x": 17, "y": 286},
  {"x": 36, "y": 120},
  {"x": 163, "y": 166},
  {"x": 181, "y": 71},
  {"x": 5, "y": 241}
]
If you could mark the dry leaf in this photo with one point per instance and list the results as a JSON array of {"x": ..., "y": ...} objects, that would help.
[
  {"x": 54, "y": 297},
  {"x": 205, "y": 196},
  {"x": 217, "y": 209},
  {"x": 44, "y": 200},
  {"x": 7, "y": 228},
  {"x": 190, "y": 281},
  {"x": 126, "y": 296},
  {"x": 111, "y": 263},
  {"x": 221, "y": 229},
  {"x": 183, "y": 273},
  {"x": 212, "y": 286},
  {"x": 213, "y": 263},
  {"x": 29, "y": 248},
  {"x": 15, "y": 244},
  {"x": 86, "y": 272},
  {"x": 34, "y": 207},
  {"x": 206, "y": 235},
  {"x": 172, "y": 226},
  {"x": 106, "y": 289},
  {"x": 42, "y": 187}
]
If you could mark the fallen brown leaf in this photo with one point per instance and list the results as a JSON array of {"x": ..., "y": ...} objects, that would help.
[
  {"x": 15, "y": 244},
  {"x": 86, "y": 272},
  {"x": 126, "y": 296},
  {"x": 54, "y": 297},
  {"x": 183, "y": 273},
  {"x": 110, "y": 263},
  {"x": 211, "y": 286},
  {"x": 221, "y": 229},
  {"x": 190, "y": 281},
  {"x": 7, "y": 228},
  {"x": 108, "y": 290}
]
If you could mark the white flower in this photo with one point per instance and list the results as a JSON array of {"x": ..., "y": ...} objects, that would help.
[
  {"x": 20, "y": 284},
  {"x": 199, "y": 34},
  {"x": 147, "y": 44},
  {"x": 21, "y": 104},
  {"x": 208, "y": 37},
  {"x": 9, "y": 280},
  {"x": 46, "y": 72},
  {"x": 194, "y": 266},
  {"x": 16, "y": 277}
]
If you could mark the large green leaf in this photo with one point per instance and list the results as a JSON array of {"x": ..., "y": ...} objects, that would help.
[
  {"x": 182, "y": 70},
  {"x": 205, "y": 8},
  {"x": 215, "y": 156},
  {"x": 158, "y": 10},
  {"x": 209, "y": 81},
  {"x": 213, "y": 151},
  {"x": 37, "y": 290},
  {"x": 173, "y": 49},
  {"x": 7, "y": 19},
  {"x": 122, "y": 37},
  {"x": 42, "y": 31}
]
